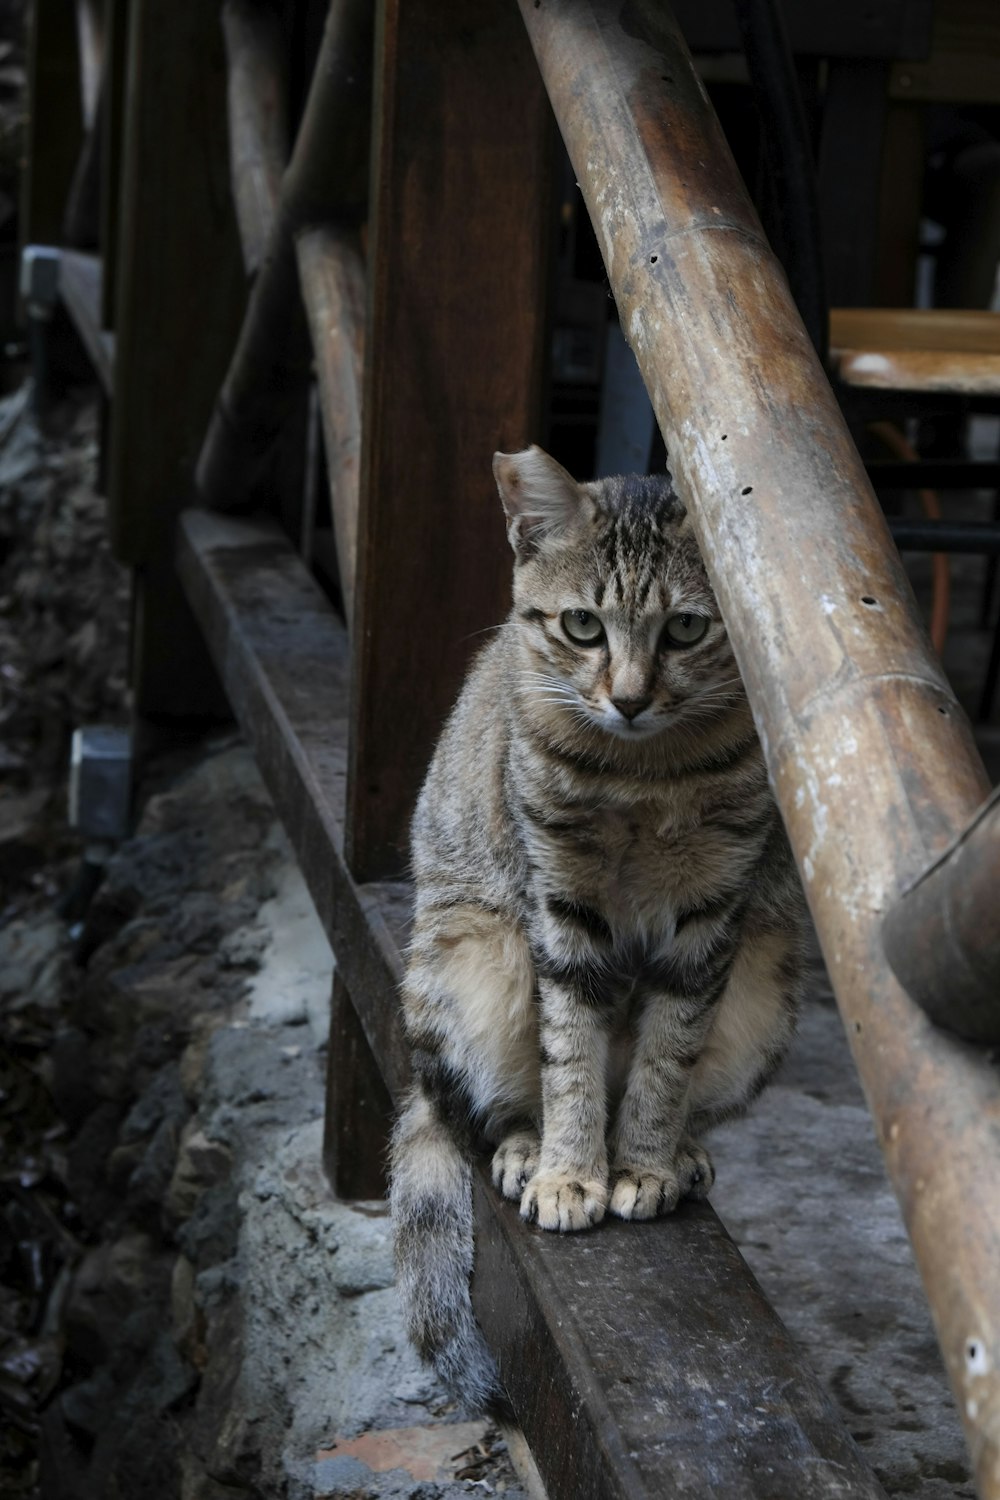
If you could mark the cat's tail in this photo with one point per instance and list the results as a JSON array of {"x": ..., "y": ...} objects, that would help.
[{"x": 431, "y": 1199}]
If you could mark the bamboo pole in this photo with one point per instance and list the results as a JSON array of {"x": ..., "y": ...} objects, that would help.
[
  {"x": 325, "y": 186},
  {"x": 942, "y": 938},
  {"x": 332, "y": 276},
  {"x": 258, "y": 120},
  {"x": 871, "y": 758}
]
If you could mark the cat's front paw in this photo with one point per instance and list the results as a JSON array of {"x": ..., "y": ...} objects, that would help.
[
  {"x": 694, "y": 1168},
  {"x": 640, "y": 1193},
  {"x": 557, "y": 1200},
  {"x": 515, "y": 1162}
]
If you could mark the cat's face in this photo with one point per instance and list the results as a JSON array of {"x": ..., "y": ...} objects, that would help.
[{"x": 618, "y": 623}]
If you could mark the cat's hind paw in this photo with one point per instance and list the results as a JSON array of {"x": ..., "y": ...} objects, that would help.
[
  {"x": 557, "y": 1200},
  {"x": 515, "y": 1162},
  {"x": 639, "y": 1193},
  {"x": 694, "y": 1168}
]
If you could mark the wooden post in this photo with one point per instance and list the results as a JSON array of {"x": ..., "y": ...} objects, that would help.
[
  {"x": 872, "y": 760},
  {"x": 54, "y": 132},
  {"x": 116, "y": 17},
  {"x": 453, "y": 358},
  {"x": 358, "y": 1107},
  {"x": 179, "y": 297}
]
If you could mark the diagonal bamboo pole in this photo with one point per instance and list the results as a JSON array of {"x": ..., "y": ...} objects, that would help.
[
  {"x": 312, "y": 243},
  {"x": 257, "y": 96},
  {"x": 871, "y": 758}
]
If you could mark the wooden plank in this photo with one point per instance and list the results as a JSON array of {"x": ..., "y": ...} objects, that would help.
[
  {"x": 80, "y": 287},
  {"x": 180, "y": 295},
  {"x": 919, "y": 370},
  {"x": 457, "y": 276},
  {"x": 968, "y": 332},
  {"x": 54, "y": 127},
  {"x": 872, "y": 760},
  {"x": 642, "y": 1359}
]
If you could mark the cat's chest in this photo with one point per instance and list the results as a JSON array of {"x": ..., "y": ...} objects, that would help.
[{"x": 639, "y": 864}]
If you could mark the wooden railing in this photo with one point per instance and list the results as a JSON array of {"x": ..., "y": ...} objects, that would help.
[{"x": 421, "y": 300}]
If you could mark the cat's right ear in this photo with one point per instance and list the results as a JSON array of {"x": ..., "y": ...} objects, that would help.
[{"x": 539, "y": 498}]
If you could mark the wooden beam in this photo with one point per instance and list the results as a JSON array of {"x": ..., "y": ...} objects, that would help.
[
  {"x": 642, "y": 1359},
  {"x": 458, "y": 269},
  {"x": 180, "y": 294},
  {"x": 872, "y": 759}
]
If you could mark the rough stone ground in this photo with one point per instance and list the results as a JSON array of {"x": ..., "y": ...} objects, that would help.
[{"x": 184, "y": 1311}]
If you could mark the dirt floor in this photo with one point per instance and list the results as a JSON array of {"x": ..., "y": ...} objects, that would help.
[{"x": 184, "y": 1310}]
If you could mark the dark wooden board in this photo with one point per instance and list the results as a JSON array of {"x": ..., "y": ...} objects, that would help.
[
  {"x": 642, "y": 1360},
  {"x": 453, "y": 356},
  {"x": 852, "y": 28}
]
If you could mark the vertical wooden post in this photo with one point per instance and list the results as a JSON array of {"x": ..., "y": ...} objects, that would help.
[
  {"x": 453, "y": 355},
  {"x": 179, "y": 299},
  {"x": 112, "y": 142},
  {"x": 54, "y": 131},
  {"x": 358, "y": 1107}
]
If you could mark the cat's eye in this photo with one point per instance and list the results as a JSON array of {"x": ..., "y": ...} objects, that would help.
[
  {"x": 582, "y": 627},
  {"x": 684, "y": 630}
]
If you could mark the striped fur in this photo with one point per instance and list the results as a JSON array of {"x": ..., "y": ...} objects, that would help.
[{"x": 606, "y": 948}]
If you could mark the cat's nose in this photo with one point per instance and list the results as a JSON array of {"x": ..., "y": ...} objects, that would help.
[{"x": 630, "y": 708}]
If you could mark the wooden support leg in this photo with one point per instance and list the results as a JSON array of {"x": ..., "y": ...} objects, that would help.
[
  {"x": 179, "y": 299},
  {"x": 54, "y": 127},
  {"x": 358, "y": 1107},
  {"x": 453, "y": 357}
]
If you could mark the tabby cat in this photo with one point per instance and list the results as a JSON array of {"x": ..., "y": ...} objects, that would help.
[{"x": 606, "y": 949}]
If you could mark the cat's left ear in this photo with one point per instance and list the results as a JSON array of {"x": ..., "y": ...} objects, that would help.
[{"x": 540, "y": 499}]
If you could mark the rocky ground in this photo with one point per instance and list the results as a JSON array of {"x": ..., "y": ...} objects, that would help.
[{"x": 184, "y": 1310}]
